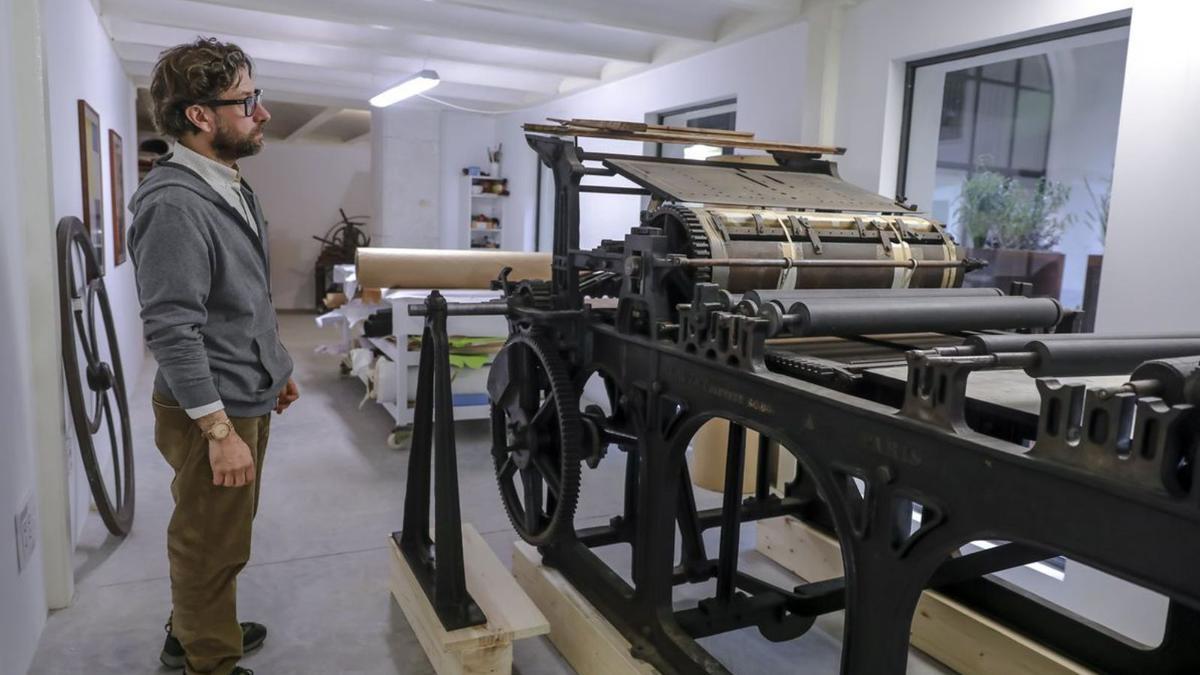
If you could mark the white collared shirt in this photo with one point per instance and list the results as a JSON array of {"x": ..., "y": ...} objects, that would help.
[{"x": 225, "y": 180}]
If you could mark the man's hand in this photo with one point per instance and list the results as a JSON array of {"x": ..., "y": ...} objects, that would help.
[
  {"x": 232, "y": 463},
  {"x": 287, "y": 396}
]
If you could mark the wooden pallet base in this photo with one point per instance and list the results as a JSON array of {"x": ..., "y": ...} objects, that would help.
[
  {"x": 950, "y": 632},
  {"x": 477, "y": 650},
  {"x": 578, "y": 630}
]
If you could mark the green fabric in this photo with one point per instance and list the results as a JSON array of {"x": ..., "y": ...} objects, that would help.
[{"x": 469, "y": 360}]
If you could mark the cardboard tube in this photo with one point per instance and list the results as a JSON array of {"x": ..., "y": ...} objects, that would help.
[{"x": 436, "y": 268}]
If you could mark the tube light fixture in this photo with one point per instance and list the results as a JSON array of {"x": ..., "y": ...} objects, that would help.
[{"x": 422, "y": 81}]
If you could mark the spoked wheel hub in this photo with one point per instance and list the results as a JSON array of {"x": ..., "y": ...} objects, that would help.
[{"x": 536, "y": 436}]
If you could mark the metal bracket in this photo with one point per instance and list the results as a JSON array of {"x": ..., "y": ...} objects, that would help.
[
  {"x": 803, "y": 226},
  {"x": 759, "y": 225},
  {"x": 1124, "y": 437},
  {"x": 936, "y": 393},
  {"x": 884, "y": 237},
  {"x": 707, "y": 328}
]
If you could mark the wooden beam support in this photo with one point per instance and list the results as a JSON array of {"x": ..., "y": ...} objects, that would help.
[
  {"x": 475, "y": 650},
  {"x": 948, "y": 631}
]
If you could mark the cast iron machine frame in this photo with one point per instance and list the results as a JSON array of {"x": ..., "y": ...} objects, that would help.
[{"x": 1104, "y": 477}]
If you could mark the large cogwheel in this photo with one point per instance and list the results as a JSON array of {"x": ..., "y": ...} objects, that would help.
[
  {"x": 685, "y": 236},
  {"x": 536, "y": 438}
]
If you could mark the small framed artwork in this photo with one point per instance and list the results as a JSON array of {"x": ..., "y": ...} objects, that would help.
[
  {"x": 116, "y": 172},
  {"x": 90, "y": 158}
]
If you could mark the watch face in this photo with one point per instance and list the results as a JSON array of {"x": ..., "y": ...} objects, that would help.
[{"x": 219, "y": 431}]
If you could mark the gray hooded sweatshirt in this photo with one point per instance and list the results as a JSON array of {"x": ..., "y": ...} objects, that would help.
[{"x": 203, "y": 280}]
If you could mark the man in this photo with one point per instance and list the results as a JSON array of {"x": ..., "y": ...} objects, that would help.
[{"x": 199, "y": 246}]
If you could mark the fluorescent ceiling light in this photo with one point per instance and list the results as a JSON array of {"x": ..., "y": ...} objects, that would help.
[{"x": 422, "y": 81}]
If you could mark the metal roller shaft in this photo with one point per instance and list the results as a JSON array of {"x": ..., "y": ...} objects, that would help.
[
  {"x": 990, "y": 344},
  {"x": 866, "y": 316},
  {"x": 791, "y": 295},
  {"x": 1069, "y": 358}
]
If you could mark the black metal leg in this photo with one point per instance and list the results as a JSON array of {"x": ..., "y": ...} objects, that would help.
[
  {"x": 693, "y": 556},
  {"x": 730, "y": 511},
  {"x": 441, "y": 575}
]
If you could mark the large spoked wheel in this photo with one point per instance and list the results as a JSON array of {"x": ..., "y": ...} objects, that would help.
[
  {"x": 536, "y": 436},
  {"x": 95, "y": 380}
]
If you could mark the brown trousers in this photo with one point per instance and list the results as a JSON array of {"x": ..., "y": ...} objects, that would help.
[{"x": 208, "y": 539}]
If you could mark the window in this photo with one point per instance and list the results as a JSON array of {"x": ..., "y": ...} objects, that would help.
[
  {"x": 1012, "y": 146},
  {"x": 720, "y": 115}
]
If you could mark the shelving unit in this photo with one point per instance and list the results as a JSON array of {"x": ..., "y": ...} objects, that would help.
[
  {"x": 481, "y": 203},
  {"x": 469, "y": 386}
]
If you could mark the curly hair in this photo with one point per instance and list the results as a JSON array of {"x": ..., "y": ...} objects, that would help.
[{"x": 190, "y": 73}]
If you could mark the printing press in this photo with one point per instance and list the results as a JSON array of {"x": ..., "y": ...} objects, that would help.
[{"x": 835, "y": 323}]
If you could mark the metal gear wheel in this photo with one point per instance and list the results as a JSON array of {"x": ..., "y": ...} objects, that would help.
[
  {"x": 685, "y": 236},
  {"x": 536, "y": 438}
]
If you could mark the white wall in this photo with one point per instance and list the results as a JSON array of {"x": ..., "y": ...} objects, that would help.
[
  {"x": 81, "y": 64},
  {"x": 22, "y": 593},
  {"x": 1150, "y": 274},
  {"x": 302, "y": 186},
  {"x": 766, "y": 73},
  {"x": 464, "y": 138},
  {"x": 406, "y": 170}
]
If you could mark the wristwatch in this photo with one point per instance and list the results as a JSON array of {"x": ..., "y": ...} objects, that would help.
[{"x": 219, "y": 431}]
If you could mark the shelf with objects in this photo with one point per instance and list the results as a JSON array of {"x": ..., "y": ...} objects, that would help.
[
  {"x": 483, "y": 202},
  {"x": 380, "y": 345}
]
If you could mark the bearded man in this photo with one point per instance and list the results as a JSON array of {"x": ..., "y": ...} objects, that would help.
[{"x": 199, "y": 246}]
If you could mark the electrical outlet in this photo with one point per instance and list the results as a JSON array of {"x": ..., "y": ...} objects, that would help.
[{"x": 26, "y": 522}]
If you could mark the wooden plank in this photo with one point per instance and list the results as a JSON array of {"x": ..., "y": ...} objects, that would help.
[
  {"x": 700, "y": 130},
  {"x": 948, "y": 631},
  {"x": 511, "y": 615},
  {"x": 622, "y": 125},
  {"x": 578, "y": 630},
  {"x": 665, "y": 137}
]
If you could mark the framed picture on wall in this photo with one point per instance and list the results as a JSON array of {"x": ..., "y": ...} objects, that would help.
[
  {"x": 116, "y": 173},
  {"x": 90, "y": 158}
]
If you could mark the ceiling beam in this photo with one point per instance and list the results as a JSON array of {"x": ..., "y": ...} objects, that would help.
[
  {"x": 760, "y": 5},
  {"x": 200, "y": 18},
  {"x": 313, "y": 124},
  {"x": 326, "y": 86},
  {"x": 434, "y": 19},
  {"x": 384, "y": 70},
  {"x": 632, "y": 16}
]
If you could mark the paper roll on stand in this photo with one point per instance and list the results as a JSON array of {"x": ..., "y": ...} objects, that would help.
[{"x": 434, "y": 268}]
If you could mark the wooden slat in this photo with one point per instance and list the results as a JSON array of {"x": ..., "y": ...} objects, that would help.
[
  {"x": 623, "y": 125},
  {"x": 668, "y": 137},
  {"x": 578, "y": 630},
  {"x": 511, "y": 615},
  {"x": 948, "y": 631}
]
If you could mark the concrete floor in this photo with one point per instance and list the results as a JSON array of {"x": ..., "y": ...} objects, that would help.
[{"x": 332, "y": 492}]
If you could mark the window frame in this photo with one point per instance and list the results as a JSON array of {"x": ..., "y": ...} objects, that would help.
[
  {"x": 910, "y": 77},
  {"x": 661, "y": 116}
]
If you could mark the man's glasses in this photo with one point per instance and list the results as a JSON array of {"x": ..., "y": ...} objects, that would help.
[{"x": 249, "y": 104}]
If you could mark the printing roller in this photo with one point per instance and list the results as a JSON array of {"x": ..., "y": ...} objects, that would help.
[
  {"x": 726, "y": 232},
  {"x": 752, "y": 302},
  {"x": 872, "y": 316},
  {"x": 991, "y": 344},
  {"x": 1070, "y": 358}
]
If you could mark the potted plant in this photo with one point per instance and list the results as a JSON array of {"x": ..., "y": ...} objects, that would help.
[
  {"x": 1014, "y": 228},
  {"x": 1097, "y": 217}
]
